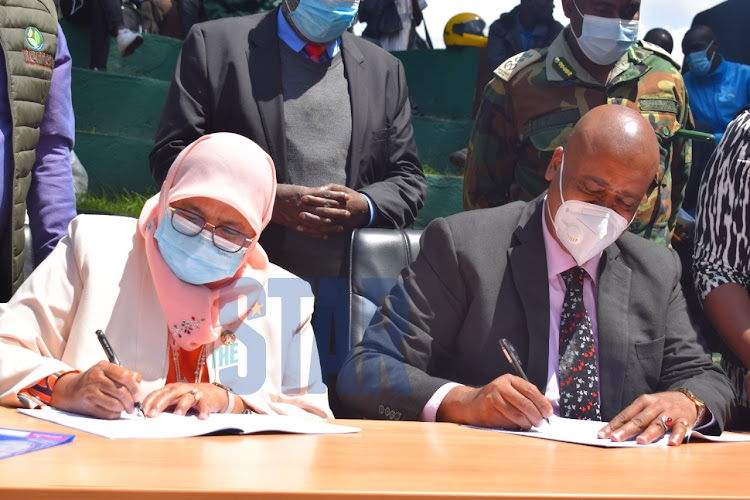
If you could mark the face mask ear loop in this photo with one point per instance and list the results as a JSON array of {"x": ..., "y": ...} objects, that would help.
[
  {"x": 559, "y": 184},
  {"x": 632, "y": 219},
  {"x": 710, "y": 61},
  {"x": 582, "y": 16}
]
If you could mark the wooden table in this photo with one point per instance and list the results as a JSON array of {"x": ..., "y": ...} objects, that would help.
[{"x": 386, "y": 460}]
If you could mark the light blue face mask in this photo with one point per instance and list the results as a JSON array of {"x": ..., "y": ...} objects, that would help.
[
  {"x": 604, "y": 40},
  {"x": 322, "y": 21},
  {"x": 195, "y": 259},
  {"x": 699, "y": 63}
]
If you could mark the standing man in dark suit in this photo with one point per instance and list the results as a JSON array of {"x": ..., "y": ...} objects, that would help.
[
  {"x": 596, "y": 313},
  {"x": 331, "y": 109}
]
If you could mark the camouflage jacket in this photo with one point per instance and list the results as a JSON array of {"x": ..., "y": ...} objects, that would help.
[{"x": 531, "y": 105}]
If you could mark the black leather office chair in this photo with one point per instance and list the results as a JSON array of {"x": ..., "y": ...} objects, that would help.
[{"x": 376, "y": 258}]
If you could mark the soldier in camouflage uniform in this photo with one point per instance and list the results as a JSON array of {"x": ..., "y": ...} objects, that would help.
[{"x": 530, "y": 107}]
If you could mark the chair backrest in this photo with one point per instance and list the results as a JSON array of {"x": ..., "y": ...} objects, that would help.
[
  {"x": 376, "y": 258},
  {"x": 343, "y": 310}
]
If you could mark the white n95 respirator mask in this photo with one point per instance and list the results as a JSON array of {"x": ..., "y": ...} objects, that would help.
[{"x": 585, "y": 229}]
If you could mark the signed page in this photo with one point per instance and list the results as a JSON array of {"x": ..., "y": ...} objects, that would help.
[
  {"x": 584, "y": 432},
  {"x": 169, "y": 425},
  {"x": 577, "y": 431}
]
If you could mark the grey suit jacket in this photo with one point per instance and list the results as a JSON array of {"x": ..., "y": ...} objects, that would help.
[{"x": 482, "y": 275}]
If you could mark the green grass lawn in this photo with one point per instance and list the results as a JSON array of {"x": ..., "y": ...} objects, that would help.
[{"x": 123, "y": 203}]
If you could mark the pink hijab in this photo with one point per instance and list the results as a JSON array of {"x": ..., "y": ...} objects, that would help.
[{"x": 232, "y": 169}]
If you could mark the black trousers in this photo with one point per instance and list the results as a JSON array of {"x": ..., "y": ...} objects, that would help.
[{"x": 103, "y": 18}]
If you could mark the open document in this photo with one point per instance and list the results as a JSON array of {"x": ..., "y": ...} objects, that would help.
[
  {"x": 169, "y": 425},
  {"x": 584, "y": 432}
]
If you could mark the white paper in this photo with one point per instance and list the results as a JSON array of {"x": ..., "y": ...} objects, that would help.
[
  {"x": 575, "y": 431},
  {"x": 725, "y": 437},
  {"x": 169, "y": 425},
  {"x": 584, "y": 432}
]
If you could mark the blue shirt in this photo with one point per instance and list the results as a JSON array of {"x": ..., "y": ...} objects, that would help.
[
  {"x": 716, "y": 97},
  {"x": 50, "y": 202},
  {"x": 527, "y": 37},
  {"x": 296, "y": 43}
]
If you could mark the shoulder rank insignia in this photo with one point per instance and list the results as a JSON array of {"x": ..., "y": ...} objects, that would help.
[{"x": 516, "y": 63}]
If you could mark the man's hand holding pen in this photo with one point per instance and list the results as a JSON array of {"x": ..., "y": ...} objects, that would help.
[
  {"x": 102, "y": 391},
  {"x": 508, "y": 402}
]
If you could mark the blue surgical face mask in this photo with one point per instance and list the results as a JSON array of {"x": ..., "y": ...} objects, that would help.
[
  {"x": 322, "y": 21},
  {"x": 604, "y": 40},
  {"x": 699, "y": 63},
  {"x": 195, "y": 259}
]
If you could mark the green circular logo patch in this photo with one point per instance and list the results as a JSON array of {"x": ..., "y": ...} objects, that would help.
[{"x": 34, "y": 38}]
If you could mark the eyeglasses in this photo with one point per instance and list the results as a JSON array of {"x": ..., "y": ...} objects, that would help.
[{"x": 191, "y": 224}]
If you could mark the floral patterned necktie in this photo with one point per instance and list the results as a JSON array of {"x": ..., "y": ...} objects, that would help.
[{"x": 579, "y": 380}]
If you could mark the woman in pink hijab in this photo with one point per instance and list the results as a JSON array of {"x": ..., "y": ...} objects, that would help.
[{"x": 186, "y": 296}]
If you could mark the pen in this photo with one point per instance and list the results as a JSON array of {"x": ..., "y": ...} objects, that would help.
[
  {"x": 112, "y": 357},
  {"x": 512, "y": 355}
]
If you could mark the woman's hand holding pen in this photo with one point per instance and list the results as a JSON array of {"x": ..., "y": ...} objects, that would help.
[
  {"x": 205, "y": 398},
  {"x": 508, "y": 402},
  {"x": 102, "y": 391}
]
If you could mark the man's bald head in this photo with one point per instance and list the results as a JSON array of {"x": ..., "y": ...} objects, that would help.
[
  {"x": 611, "y": 159},
  {"x": 619, "y": 133},
  {"x": 660, "y": 37}
]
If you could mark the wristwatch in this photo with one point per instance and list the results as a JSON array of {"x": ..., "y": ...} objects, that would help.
[{"x": 700, "y": 406}]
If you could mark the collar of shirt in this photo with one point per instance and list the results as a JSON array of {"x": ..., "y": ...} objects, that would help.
[
  {"x": 559, "y": 260},
  {"x": 296, "y": 43},
  {"x": 560, "y": 48}
]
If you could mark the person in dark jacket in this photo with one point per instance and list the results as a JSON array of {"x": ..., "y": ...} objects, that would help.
[{"x": 528, "y": 26}]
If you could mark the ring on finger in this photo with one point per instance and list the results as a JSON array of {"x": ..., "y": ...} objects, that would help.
[
  {"x": 196, "y": 394},
  {"x": 665, "y": 422},
  {"x": 684, "y": 422}
]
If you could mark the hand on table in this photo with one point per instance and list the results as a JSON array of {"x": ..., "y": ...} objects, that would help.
[
  {"x": 205, "y": 398},
  {"x": 642, "y": 418},
  {"x": 508, "y": 402},
  {"x": 102, "y": 391}
]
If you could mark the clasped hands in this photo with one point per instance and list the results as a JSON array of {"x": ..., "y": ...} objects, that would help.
[
  {"x": 106, "y": 389},
  {"x": 320, "y": 211},
  {"x": 510, "y": 402}
]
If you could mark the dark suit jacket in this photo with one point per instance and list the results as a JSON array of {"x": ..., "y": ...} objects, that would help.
[
  {"x": 482, "y": 275},
  {"x": 228, "y": 79}
]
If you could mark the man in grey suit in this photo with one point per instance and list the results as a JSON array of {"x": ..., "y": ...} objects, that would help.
[{"x": 626, "y": 353}]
